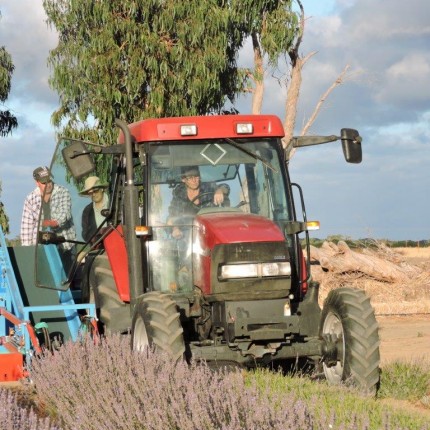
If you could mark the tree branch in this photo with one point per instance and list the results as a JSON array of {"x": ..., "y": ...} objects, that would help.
[{"x": 339, "y": 81}]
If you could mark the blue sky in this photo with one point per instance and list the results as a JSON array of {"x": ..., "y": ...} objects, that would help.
[{"x": 386, "y": 97}]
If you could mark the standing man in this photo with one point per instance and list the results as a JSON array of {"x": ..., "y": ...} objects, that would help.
[{"x": 56, "y": 205}]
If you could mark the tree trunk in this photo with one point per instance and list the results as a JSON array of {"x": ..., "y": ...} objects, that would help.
[{"x": 340, "y": 259}]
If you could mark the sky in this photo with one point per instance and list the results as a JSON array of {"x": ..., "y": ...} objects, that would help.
[{"x": 386, "y": 97}]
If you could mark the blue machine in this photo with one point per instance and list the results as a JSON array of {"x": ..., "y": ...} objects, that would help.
[{"x": 26, "y": 311}]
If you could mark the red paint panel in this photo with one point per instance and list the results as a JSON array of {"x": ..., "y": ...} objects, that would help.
[
  {"x": 208, "y": 127},
  {"x": 237, "y": 227},
  {"x": 116, "y": 251},
  {"x": 218, "y": 228},
  {"x": 11, "y": 363}
]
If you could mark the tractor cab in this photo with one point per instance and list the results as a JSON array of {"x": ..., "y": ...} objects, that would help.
[{"x": 177, "y": 234}]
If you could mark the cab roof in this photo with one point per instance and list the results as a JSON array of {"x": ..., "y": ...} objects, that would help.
[{"x": 205, "y": 127}]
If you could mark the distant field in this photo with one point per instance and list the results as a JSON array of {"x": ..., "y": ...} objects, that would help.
[{"x": 420, "y": 256}]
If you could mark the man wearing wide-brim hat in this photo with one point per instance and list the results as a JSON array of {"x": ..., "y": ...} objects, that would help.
[{"x": 92, "y": 216}]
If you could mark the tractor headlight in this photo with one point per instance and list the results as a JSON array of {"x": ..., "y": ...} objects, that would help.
[{"x": 255, "y": 270}]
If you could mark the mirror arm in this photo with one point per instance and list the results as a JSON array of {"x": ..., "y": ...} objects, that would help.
[{"x": 301, "y": 141}]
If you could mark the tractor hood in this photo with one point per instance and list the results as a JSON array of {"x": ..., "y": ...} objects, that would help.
[{"x": 234, "y": 227}]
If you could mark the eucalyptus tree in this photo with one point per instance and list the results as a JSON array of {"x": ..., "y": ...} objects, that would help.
[
  {"x": 7, "y": 120},
  {"x": 134, "y": 59},
  {"x": 4, "y": 219},
  {"x": 272, "y": 26}
]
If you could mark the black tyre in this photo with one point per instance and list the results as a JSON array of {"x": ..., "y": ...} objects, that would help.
[
  {"x": 349, "y": 326},
  {"x": 113, "y": 313},
  {"x": 156, "y": 324}
]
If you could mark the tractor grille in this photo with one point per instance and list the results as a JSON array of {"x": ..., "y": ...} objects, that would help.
[
  {"x": 254, "y": 252},
  {"x": 250, "y": 288}
]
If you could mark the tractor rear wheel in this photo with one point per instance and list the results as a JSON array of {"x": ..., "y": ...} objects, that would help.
[
  {"x": 113, "y": 313},
  {"x": 156, "y": 324},
  {"x": 349, "y": 327}
]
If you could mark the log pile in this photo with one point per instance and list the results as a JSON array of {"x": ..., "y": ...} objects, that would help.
[
  {"x": 340, "y": 259},
  {"x": 394, "y": 285}
]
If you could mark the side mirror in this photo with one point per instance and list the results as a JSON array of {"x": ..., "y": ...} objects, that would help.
[
  {"x": 351, "y": 145},
  {"x": 78, "y": 160}
]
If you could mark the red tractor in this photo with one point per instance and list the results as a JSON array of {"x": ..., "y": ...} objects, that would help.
[{"x": 235, "y": 285}]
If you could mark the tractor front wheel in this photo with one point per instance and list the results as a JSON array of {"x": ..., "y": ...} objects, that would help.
[
  {"x": 350, "y": 330},
  {"x": 156, "y": 324}
]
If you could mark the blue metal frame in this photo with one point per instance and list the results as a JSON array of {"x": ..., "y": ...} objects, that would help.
[{"x": 11, "y": 300}]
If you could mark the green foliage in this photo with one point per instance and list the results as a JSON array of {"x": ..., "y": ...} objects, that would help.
[
  {"x": 343, "y": 407},
  {"x": 6, "y": 69},
  {"x": 7, "y": 121},
  {"x": 4, "y": 219},
  {"x": 272, "y": 22},
  {"x": 143, "y": 59},
  {"x": 140, "y": 59},
  {"x": 369, "y": 243},
  {"x": 406, "y": 381}
]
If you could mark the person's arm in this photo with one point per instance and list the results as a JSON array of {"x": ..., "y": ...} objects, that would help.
[
  {"x": 61, "y": 207},
  {"x": 221, "y": 192},
  {"x": 86, "y": 229},
  {"x": 28, "y": 223}
]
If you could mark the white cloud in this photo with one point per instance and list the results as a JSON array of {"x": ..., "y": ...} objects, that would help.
[{"x": 386, "y": 99}]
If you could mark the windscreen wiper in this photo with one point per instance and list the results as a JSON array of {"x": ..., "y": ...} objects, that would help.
[{"x": 250, "y": 153}]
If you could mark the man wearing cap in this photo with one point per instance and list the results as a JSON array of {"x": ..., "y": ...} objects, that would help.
[
  {"x": 185, "y": 201},
  {"x": 92, "y": 214},
  {"x": 56, "y": 205}
]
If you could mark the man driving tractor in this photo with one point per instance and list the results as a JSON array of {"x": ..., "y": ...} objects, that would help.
[{"x": 191, "y": 195}]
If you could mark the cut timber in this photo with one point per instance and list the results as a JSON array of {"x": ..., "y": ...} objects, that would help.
[{"x": 341, "y": 259}]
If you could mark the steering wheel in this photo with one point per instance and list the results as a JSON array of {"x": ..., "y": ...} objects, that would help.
[{"x": 206, "y": 204}]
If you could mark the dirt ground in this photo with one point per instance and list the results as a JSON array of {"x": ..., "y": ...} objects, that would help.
[
  {"x": 404, "y": 338},
  {"x": 402, "y": 308},
  {"x": 407, "y": 337}
]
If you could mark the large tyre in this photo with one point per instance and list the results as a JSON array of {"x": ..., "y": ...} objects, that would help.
[
  {"x": 156, "y": 324},
  {"x": 113, "y": 313},
  {"x": 349, "y": 326}
]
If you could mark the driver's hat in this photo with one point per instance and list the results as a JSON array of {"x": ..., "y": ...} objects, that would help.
[{"x": 190, "y": 171}]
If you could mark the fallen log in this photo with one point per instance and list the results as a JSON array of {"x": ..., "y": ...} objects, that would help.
[{"x": 340, "y": 259}]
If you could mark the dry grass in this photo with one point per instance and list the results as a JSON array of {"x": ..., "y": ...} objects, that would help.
[
  {"x": 410, "y": 296},
  {"x": 416, "y": 256}
]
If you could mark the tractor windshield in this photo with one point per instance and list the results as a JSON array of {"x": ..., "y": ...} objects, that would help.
[
  {"x": 207, "y": 177},
  {"x": 254, "y": 183}
]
